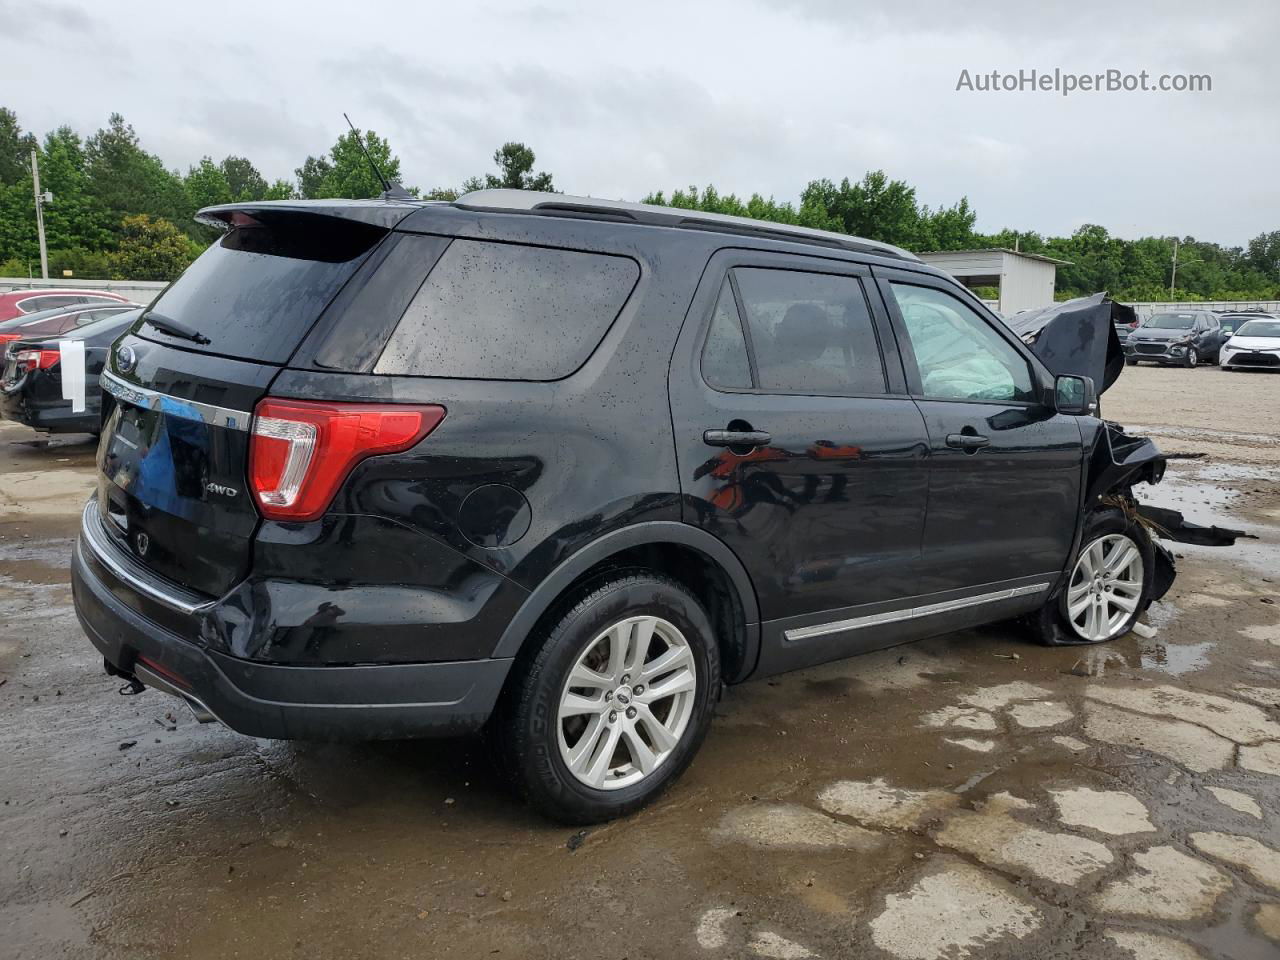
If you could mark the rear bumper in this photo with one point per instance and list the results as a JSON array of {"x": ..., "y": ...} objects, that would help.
[
  {"x": 55, "y": 417},
  {"x": 367, "y": 702}
]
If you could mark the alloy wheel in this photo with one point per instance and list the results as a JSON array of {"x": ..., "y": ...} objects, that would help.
[
  {"x": 1105, "y": 587},
  {"x": 626, "y": 703}
]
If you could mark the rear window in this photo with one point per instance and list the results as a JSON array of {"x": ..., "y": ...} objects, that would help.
[
  {"x": 257, "y": 291},
  {"x": 503, "y": 311}
]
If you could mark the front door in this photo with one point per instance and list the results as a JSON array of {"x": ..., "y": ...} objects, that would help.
[
  {"x": 1004, "y": 480},
  {"x": 797, "y": 444}
]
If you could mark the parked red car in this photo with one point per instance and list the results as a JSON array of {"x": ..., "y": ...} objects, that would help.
[{"x": 17, "y": 302}]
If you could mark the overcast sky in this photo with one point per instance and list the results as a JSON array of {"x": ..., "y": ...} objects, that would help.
[{"x": 619, "y": 99}]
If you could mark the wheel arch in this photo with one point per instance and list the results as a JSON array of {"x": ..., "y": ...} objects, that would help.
[{"x": 685, "y": 553}]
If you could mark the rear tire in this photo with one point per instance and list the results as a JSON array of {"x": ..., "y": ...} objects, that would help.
[
  {"x": 599, "y": 749},
  {"x": 1117, "y": 597}
]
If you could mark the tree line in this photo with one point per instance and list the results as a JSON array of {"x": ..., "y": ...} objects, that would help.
[{"x": 119, "y": 212}]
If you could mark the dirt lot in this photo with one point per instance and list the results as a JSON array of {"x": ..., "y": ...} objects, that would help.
[{"x": 967, "y": 796}]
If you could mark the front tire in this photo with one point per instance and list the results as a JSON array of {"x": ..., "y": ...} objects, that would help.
[
  {"x": 1130, "y": 361},
  {"x": 1109, "y": 586},
  {"x": 1191, "y": 359},
  {"x": 613, "y": 703}
]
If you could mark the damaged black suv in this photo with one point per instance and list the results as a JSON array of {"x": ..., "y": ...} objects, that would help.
[{"x": 559, "y": 468}]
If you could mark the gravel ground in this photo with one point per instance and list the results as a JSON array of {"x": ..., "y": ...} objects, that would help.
[{"x": 966, "y": 796}]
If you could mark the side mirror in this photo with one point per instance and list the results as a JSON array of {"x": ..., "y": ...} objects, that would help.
[{"x": 1075, "y": 396}]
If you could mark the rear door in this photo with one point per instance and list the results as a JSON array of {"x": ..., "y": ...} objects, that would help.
[
  {"x": 798, "y": 446},
  {"x": 173, "y": 456},
  {"x": 1004, "y": 480}
]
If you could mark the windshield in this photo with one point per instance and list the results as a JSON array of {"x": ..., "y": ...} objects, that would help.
[
  {"x": 1172, "y": 321},
  {"x": 1260, "y": 328}
]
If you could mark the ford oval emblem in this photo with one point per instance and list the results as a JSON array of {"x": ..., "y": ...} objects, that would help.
[{"x": 126, "y": 359}]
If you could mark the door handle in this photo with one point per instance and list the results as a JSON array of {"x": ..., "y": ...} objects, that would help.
[
  {"x": 968, "y": 442},
  {"x": 736, "y": 438}
]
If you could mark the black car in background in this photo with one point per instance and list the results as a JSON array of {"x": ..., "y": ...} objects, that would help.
[
  {"x": 58, "y": 320},
  {"x": 1186, "y": 338},
  {"x": 556, "y": 468},
  {"x": 31, "y": 382}
]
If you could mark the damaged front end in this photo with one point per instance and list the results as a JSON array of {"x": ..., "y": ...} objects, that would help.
[
  {"x": 1077, "y": 337},
  {"x": 1117, "y": 463}
]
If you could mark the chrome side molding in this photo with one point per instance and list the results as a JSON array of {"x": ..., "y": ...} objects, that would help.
[{"x": 912, "y": 613}]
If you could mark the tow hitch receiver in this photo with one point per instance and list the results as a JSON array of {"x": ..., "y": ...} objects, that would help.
[{"x": 135, "y": 684}]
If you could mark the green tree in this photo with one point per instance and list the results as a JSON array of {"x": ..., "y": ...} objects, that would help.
[
  {"x": 151, "y": 249},
  {"x": 947, "y": 228},
  {"x": 280, "y": 190},
  {"x": 17, "y": 205},
  {"x": 15, "y": 148},
  {"x": 346, "y": 172},
  {"x": 124, "y": 180},
  {"x": 515, "y": 172},
  {"x": 312, "y": 175},
  {"x": 876, "y": 207},
  {"x": 1264, "y": 255},
  {"x": 206, "y": 185},
  {"x": 82, "y": 262},
  {"x": 243, "y": 179},
  {"x": 71, "y": 220},
  {"x": 710, "y": 200}
]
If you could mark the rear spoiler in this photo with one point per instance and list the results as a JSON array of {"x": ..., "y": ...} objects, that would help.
[{"x": 384, "y": 214}]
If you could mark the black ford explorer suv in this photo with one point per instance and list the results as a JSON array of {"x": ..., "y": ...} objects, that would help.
[{"x": 560, "y": 467}]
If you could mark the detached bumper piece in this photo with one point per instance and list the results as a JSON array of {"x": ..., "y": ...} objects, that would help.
[
  {"x": 1171, "y": 525},
  {"x": 357, "y": 702}
]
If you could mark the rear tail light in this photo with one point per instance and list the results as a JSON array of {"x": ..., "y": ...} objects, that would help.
[
  {"x": 9, "y": 337},
  {"x": 28, "y": 360},
  {"x": 301, "y": 451}
]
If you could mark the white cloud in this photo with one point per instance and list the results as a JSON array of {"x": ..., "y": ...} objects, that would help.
[{"x": 618, "y": 101}]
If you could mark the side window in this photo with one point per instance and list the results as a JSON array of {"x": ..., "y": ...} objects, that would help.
[
  {"x": 724, "y": 356},
  {"x": 811, "y": 332},
  {"x": 959, "y": 355},
  {"x": 48, "y": 303},
  {"x": 505, "y": 311}
]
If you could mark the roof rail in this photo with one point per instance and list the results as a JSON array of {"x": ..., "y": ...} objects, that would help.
[{"x": 532, "y": 201}]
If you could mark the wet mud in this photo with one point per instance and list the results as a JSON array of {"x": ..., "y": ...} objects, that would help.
[{"x": 968, "y": 796}]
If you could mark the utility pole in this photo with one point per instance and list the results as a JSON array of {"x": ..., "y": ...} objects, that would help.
[
  {"x": 41, "y": 200},
  {"x": 1173, "y": 278}
]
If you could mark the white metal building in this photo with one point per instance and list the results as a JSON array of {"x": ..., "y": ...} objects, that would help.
[{"x": 1025, "y": 280}]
